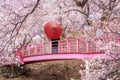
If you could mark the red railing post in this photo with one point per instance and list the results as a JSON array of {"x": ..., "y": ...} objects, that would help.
[
  {"x": 77, "y": 45},
  {"x": 50, "y": 46},
  {"x": 22, "y": 52},
  {"x": 68, "y": 46},
  {"x": 35, "y": 45},
  {"x": 87, "y": 46},
  {"x": 18, "y": 53},
  {"x": 39, "y": 48},
  {"x": 29, "y": 48},
  {"x": 43, "y": 48},
  {"x": 59, "y": 46}
]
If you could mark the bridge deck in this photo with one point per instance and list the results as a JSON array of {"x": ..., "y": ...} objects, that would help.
[{"x": 66, "y": 56}]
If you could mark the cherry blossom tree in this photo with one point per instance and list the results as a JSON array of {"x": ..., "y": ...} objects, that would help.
[{"x": 22, "y": 22}]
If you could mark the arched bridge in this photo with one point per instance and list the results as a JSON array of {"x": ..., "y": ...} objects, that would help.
[{"x": 68, "y": 49}]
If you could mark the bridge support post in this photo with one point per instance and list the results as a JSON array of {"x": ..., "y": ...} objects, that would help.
[{"x": 87, "y": 69}]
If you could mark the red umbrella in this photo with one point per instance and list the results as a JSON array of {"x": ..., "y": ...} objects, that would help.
[{"x": 53, "y": 30}]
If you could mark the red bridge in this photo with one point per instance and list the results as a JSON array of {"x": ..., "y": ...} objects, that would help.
[{"x": 68, "y": 49}]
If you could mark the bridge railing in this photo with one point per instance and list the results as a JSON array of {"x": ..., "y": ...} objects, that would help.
[
  {"x": 64, "y": 46},
  {"x": 68, "y": 46}
]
